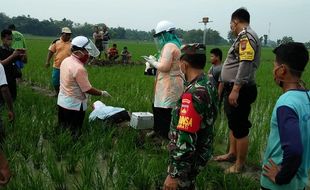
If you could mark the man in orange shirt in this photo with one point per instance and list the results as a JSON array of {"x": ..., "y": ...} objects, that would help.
[
  {"x": 113, "y": 53},
  {"x": 62, "y": 49}
]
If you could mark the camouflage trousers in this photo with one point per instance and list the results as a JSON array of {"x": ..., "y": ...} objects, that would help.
[{"x": 187, "y": 181}]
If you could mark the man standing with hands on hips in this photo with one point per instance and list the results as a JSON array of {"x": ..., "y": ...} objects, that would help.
[
  {"x": 240, "y": 91},
  {"x": 61, "y": 48}
]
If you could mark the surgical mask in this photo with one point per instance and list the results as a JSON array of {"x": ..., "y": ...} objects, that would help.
[
  {"x": 278, "y": 81},
  {"x": 164, "y": 38},
  {"x": 183, "y": 71},
  {"x": 84, "y": 58}
]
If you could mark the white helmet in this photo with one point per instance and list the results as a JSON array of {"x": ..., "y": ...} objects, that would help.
[
  {"x": 164, "y": 26},
  {"x": 83, "y": 42}
]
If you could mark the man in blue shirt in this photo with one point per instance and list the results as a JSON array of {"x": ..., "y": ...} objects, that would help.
[{"x": 287, "y": 157}]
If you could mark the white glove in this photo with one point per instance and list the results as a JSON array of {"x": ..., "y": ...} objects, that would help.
[
  {"x": 151, "y": 60},
  {"x": 105, "y": 94},
  {"x": 147, "y": 66}
]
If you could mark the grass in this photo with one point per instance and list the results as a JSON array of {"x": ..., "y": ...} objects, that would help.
[{"x": 107, "y": 157}]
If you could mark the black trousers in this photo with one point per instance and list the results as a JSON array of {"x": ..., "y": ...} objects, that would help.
[
  {"x": 71, "y": 119},
  {"x": 162, "y": 119},
  {"x": 238, "y": 117}
]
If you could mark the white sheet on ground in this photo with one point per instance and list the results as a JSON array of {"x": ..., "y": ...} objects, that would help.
[{"x": 102, "y": 111}]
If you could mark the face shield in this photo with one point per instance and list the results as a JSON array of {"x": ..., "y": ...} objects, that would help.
[
  {"x": 91, "y": 49},
  {"x": 163, "y": 38},
  {"x": 159, "y": 41}
]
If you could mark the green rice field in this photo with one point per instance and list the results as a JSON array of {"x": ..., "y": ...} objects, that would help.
[{"x": 111, "y": 157}]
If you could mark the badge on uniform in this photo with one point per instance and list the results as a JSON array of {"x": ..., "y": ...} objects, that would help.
[
  {"x": 246, "y": 52},
  {"x": 189, "y": 120}
]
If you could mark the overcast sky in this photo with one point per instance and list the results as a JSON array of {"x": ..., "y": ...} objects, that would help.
[{"x": 280, "y": 17}]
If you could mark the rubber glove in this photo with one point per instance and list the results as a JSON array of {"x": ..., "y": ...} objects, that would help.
[
  {"x": 151, "y": 60},
  {"x": 147, "y": 66},
  {"x": 105, "y": 94}
]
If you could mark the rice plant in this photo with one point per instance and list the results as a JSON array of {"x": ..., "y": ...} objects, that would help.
[
  {"x": 56, "y": 171},
  {"x": 110, "y": 157}
]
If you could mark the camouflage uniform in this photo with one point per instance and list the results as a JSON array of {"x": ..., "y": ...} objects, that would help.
[{"x": 191, "y": 134}]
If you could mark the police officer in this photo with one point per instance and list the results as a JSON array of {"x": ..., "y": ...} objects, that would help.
[
  {"x": 191, "y": 129},
  {"x": 238, "y": 76}
]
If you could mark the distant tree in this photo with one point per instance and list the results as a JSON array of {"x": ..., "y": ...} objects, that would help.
[
  {"x": 231, "y": 38},
  {"x": 192, "y": 36},
  {"x": 213, "y": 37},
  {"x": 51, "y": 27},
  {"x": 287, "y": 39},
  {"x": 120, "y": 33},
  {"x": 261, "y": 39},
  {"x": 64, "y": 22},
  {"x": 4, "y": 20},
  {"x": 265, "y": 39},
  {"x": 307, "y": 44},
  {"x": 86, "y": 29},
  {"x": 196, "y": 36},
  {"x": 272, "y": 43}
]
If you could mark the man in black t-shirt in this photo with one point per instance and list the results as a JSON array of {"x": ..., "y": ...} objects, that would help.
[{"x": 8, "y": 57}]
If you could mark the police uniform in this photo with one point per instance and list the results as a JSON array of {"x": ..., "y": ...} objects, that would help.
[
  {"x": 191, "y": 131},
  {"x": 239, "y": 68}
]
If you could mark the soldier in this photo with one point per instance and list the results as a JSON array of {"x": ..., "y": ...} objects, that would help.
[
  {"x": 240, "y": 91},
  {"x": 191, "y": 129}
]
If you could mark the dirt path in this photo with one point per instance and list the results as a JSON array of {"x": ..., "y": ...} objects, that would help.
[
  {"x": 252, "y": 172},
  {"x": 39, "y": 89}
]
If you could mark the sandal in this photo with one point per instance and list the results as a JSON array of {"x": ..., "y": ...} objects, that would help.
[
  {"x": 234, "y": 169},
  {"x": 225, "y": 158}
]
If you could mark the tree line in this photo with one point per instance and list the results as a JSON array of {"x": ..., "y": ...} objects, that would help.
[{"x": 51, "y": 27}]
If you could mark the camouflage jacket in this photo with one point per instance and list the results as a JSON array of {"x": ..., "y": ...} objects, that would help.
[{"x": 191, "y": 129}]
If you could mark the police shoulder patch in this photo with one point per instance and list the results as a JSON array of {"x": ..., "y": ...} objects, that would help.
[
  {"x": 189, "y": 120},
  {"x": 246, "y": 52}
]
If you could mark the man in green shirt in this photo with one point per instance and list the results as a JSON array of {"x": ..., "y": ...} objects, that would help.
[{"x": 18, "y": 43}]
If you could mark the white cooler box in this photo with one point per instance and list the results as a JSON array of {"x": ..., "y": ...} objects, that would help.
[{"x": 142, "y": 120}]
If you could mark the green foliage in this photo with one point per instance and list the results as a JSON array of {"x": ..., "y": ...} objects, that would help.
[
  {"x": 196, "y": 36},
  {"x": 56, "y": 171},
  {"x": 110, "y": 157},
  {"x": 285, "y": 39},
  {"x": 307, "y": 44},
  {"x": 51, "y": 27}
]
